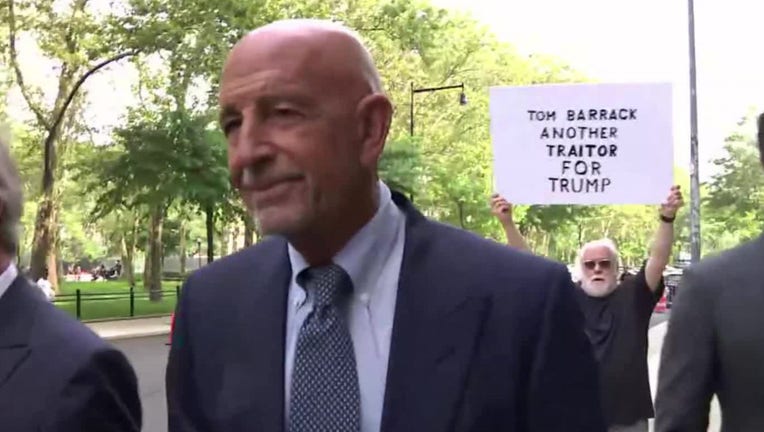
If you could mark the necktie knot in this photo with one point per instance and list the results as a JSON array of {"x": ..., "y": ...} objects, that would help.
[{"x": 329, "y": 284}]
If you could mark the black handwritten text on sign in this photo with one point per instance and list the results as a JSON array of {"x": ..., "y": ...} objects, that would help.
[{"x": 583, "y": 150}]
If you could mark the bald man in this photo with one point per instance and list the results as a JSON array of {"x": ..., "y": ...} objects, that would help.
[{"x": 358, "y": 313}]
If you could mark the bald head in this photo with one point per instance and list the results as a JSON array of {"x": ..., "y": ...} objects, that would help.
[
  {"x": 306, "y": 121},
  {"x": 321, "y": 44}
]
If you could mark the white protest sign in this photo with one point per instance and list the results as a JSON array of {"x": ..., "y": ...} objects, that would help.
[{"x": 583, "y": 143}]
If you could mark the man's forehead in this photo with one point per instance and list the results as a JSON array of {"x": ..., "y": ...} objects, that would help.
[
  {"x": 294, "y": 57},
  {"x": 289, "y": 54},
  {"x": 264, "y": 67},
  {"x": 260, "y": 83},
  {"x": 597, "y": 252}
]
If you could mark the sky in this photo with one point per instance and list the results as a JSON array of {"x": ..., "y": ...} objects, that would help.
[
  {"x": 609, "y": 40},
  {"x": 648, "y": 41}
]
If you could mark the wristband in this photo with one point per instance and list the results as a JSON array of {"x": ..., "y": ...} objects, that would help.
[{"x": 667, "y": 219}]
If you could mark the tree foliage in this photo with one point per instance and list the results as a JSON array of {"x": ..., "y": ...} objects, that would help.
[
  {"x": 162, "y": 180},
  {"x": 735, "y": 197}
]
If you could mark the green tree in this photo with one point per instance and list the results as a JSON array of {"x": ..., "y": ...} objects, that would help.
[
  {"x": 138, "y": 172},
  {"x": 207, "y": 186},
  {"x": 167, "y": 160},
  {"x": 79, "y": 43},
  {"x": 159, "y": 160},
  {"x": 400, "y": 166},
  {"x": 735, "y": 196}
]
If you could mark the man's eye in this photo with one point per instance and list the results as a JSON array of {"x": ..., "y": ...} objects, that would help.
[
  {"x": 286, "y": 112},
  {"x": 230, "y": 125}
]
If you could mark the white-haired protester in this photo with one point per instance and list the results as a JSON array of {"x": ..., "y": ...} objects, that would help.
[{"x": 617, "y": 312}]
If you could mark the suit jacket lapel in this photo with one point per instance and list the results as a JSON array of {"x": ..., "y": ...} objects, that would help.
[
  {"x": 17, "y": 309},
  {"x": 437, "y": 324},
  {"x": 253, "y": 377},
  {"x": 267, "y": 335}
]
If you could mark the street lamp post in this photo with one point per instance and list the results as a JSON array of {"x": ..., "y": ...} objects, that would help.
[
  {"x": 694, "y": 176},
  {"x": 462, "y": 99}
]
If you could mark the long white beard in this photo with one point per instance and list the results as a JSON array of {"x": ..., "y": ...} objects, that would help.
[{"x": 598, "y": 288}]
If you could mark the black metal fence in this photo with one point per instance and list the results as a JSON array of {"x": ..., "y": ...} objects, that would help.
[{"x": 81, "y": 298}]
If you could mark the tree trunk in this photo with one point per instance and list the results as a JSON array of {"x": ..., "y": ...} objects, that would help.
[
  {"x": 258, "y": 234},
  {"x": 53, "y": 270},
  {"x": 183, "y": 248},
  {"x": 43, "y": 234},
  {"x": 210, "y": 222},
  {"x": 155, "y": 246},
  {"x": 235, "y": 238},
  {"x": 128, "y": 251},
  {"x": 147, "y": 265},
  {"x": 67, "y": 90},
  {"x": 460, "y": 207},
  {"x": 225, "y": 236},
  {"x": 52, "y": 258},
  {"x": 55, "y": 265},
  {"x": 45, "y": 222},
  {"x": 131, "y": 247},
  {"x": 20, "y": 253},
  {"x": 59, "y": 270},
  {"x": 249, "y": 230},
  {"x": 552, "y": 247},
  {"x": 43, "y": 251}
]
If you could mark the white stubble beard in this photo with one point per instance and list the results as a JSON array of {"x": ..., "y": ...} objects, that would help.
[{"x": 598, "y": 288}]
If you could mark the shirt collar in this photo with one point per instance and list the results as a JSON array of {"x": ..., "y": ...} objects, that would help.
[
  {"x": 365, "y": 254},
  {"x": 7, "y": 277}
]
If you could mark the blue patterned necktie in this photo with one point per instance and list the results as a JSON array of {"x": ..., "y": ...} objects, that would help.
[{"x": 325, "y": 396}]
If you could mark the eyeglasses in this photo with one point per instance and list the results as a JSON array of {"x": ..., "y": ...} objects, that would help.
[{"x": 592, "y": 264}]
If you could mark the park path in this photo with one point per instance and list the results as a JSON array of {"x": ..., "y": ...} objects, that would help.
[{"x": 131, "y": 328}]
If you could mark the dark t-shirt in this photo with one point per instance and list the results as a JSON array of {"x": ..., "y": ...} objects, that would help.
[{"x": 617, "y": 327}]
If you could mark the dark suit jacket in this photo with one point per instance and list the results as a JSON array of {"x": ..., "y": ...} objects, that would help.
[
  {"x": 485, "y": 339},
  {"x": 715, "y": 345},
  {"x": 56, "y": 374}
]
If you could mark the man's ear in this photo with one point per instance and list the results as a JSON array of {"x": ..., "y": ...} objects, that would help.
[{"x": 375, "y": 113}]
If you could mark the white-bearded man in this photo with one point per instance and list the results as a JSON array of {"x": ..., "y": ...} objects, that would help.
[{"x": 617, "y": 313}]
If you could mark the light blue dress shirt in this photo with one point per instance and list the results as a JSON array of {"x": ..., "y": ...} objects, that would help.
[
  {"x": 7, "y": 278},
  {"x": 372, "y": 258}
]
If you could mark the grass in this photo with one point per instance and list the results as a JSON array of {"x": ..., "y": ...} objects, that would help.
[{"x": 111, "y": 299}]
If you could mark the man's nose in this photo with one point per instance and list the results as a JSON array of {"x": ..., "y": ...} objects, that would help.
[{"x": 254, "y": 141}]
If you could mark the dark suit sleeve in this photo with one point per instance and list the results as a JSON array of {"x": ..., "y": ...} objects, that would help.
[
  {"x": 101, "y": 396},
  {"x": 685, "y": 380},
  {"x": 182, "y": 407},
  {"x": 564, "y": 386}
]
